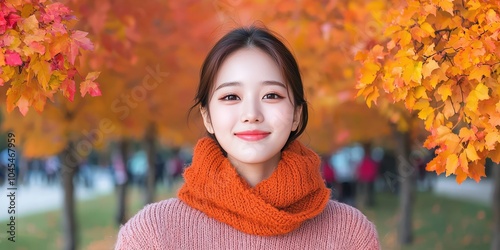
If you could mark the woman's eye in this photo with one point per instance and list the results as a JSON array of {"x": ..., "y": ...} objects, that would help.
[
  {"x": 230, "y": 98},
  {"x": 272, "y": 96}
]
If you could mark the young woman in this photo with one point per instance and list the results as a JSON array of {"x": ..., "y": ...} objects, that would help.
[{"x": 251, "y": 184}]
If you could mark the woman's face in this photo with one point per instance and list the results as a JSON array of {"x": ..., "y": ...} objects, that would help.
[{"x": 250, "y": 110}]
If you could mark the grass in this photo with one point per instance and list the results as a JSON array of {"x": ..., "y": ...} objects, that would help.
[
  {"x": 95, "y": 218},
  {"x": 439, "y": 223}
]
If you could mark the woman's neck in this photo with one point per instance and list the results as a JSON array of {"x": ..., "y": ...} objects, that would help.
[{"x": 254, "y": 173}]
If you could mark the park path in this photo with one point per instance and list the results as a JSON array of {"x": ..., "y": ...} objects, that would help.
[
  {"x": 469, "y": 190},
  {"x": 39, "y": 197}
]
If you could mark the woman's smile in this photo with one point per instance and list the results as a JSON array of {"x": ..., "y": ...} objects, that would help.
[{"x": 252, "y": 135}]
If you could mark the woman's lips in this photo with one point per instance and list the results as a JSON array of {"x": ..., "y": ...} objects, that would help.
[{"x": 252, "y": 135}]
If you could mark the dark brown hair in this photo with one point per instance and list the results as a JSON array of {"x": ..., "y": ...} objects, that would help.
[{"x": 268, "y": 42}]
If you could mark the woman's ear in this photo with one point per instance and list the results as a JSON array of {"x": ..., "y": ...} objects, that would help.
[
  {"x": 296, "y": 118},
  {"x": 206, "y": 120}
]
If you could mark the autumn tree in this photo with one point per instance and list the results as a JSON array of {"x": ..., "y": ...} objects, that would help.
[
  {"x": 39, "y": 51},
  {"x": 38, "y": 54},
  {"x": 441, "y": 59},
  {"x": 144, "y": 53},
  {"x": 155, "y": 63}
]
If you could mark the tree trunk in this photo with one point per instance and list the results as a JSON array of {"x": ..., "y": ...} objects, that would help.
[
  {"x": 121, "y": 188},
  {"x": 407, "y": 173},
  {"x": 151, "y": 153},
  {"x": 495, "y": 244},
  {"x": 68, "y": 170}
]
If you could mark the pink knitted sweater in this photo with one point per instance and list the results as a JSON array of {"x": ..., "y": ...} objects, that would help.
[{"x": 171, "y": 224}]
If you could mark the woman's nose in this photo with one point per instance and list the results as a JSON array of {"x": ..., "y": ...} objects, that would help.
[{"x": 251, "y": 112}]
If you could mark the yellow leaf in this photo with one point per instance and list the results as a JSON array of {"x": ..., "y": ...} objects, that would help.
[
  {"x": 42, "y": 71},
  {"x": 476, "y": 171},
  {"x": 482, "y": 92},
  {"x": 494, "y": 119},
  {"x": 397, "y": 71},
  {"x": 388, "y": 83},
  {"x": 491, "y": 140},
  {"x": 59, "y": 45},
  {"x": 451, "y": 164},
  {"x": 391, "y": 30},
  {"x": 430, "y": 8},
  {"x": 413, "y": 72},
  {"x": 420, "y": 92},
  {"x": 424, "y": 113},
  {"x": 479, "y": 145},
  {"x": 448, "y": 110},
  {"x": 477, "y": 73},
  {"x": 452, "y": 142},
  {"x": 428, "y": 28},
  {"x": 372, "y": 97},
  {"x": 461, "y": 175},
  {"x": 7, "y": 73},
  {"x": 417, "y": 75},
  {"x": 404, "y": 38},
  {"x": 467, "y": 134},
  {"x": 429, "y": 122},
  {"x": 429, "y": 67},
  {"x": 13, "y": 95},
  {"x": 446, "y": 5},
  {"x": 494, "y": 155},
  {"x": 23, "y": 105},
  {"x": 462, "y": 59},
  {"x": 430, "y": 50},
  {"x": 492, "y": 16},
  {"x": 437, "y": 164},
  {"x": 29, "y": 24},
  {"x": 445, "y": 91},
  {"x": 421, "y": 104},
  {"x": 92, "y": 75},
  {"x": 464, "y": 164},
  {"x": 471, "y": 101},
  {"x": 369, "y": 72},
  {"x": 473, "y": 4},
  {"x": 410, "y": 102},
  {"x": 471, "y": 153},
  {"x": 432, "y": 82}
]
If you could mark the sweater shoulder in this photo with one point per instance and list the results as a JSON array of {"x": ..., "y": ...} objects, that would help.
[
  {"x": 352, "y": 224},
  {"x": 344, "y": 211},
  {"x": 148, "y": 225}
]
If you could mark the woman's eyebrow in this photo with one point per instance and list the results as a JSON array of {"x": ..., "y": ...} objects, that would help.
[
  {"x": 228, "y": 84},
  {"x": 274, "y": 83}
]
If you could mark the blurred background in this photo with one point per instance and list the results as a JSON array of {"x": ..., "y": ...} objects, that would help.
[{"x": 85, "y": 167}]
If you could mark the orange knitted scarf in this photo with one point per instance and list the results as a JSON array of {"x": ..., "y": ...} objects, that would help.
[{"x": 294, "y": 193}]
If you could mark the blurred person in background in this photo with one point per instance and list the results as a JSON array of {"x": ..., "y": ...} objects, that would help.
[
  {"x": 138, "y": 166},
  {"x": 329, "y": 175},
  {"x": 366, "y": 174},
  {"x": 174, "y": 167},
  {"x": 344, "y": 163},
  {"x": 51, "y": 169},
  {"x": 120, "y": 174}
]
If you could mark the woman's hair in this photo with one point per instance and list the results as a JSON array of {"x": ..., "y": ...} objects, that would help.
[{"x": 267, "y": 41}]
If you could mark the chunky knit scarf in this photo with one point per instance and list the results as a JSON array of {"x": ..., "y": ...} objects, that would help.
[{"x": 294, "y": 193}]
